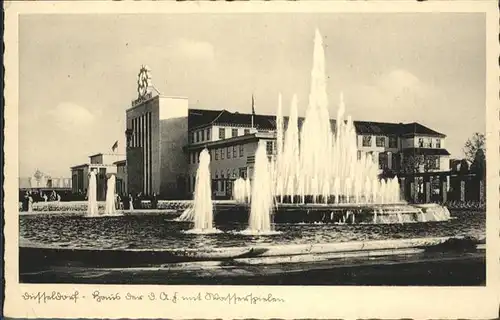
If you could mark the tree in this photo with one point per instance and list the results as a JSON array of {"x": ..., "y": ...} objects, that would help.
[
  {"x": 478, "y": 166},
  {"x": 464, "y": 167},
  {"x": 473, "y": 144},
  {"x": 418, "y": 163}
]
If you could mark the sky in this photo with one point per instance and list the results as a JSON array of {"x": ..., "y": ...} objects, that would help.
[{"x": 78, "y": 72}]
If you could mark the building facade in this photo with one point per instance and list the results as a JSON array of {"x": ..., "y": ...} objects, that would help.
[
  {"x": 157, "y": 130},
  {"x": 103, "y": 164},
  {"x": 165, "y": 138},
  {"x": 232, "y": 139}
]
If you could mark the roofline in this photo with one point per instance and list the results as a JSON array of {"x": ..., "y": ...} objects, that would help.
[
  {"x": 158, "y": 96},
  {"x": 80, "y": 166},
  {"x": 214, "y": 122},
  {"x": 230, "y": 141},
  {"x": 97, "y": 154},
  {"x": 106, "y": 154},
  {"x": 437, "y": 134},
  {"x": 406, "y": 150},
  {"x": 120, "y": 161}
]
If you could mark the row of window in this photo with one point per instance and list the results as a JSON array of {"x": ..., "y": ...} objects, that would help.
[
  {"x": 200, "y": 135},
  {"x": 427, "y": 143},
  {"x": 232, "y": 152},
  {"x": 392, "y": 142},
  {"x": 205, "y": 134},
  {"x": 221, "y": 180},
  {"x": 380, "y": 141}
]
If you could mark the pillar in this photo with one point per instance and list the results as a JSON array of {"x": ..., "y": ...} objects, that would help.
[
  {"x": 427, "y": 189},
  {"x": 482, "y": 190},
  {"x": 402, "y": 188},
  {"x": 444, "y": 190},
  {"x": 413, "y": 191},
  {"x": 462, "y": 191}
]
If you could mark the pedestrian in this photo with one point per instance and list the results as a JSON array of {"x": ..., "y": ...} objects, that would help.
[{"x": 131, "y": 202}]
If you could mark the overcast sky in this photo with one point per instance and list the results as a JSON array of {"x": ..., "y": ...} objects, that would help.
[{"x": 78, "y": 72}]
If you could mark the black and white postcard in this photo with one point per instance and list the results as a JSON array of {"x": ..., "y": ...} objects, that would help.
[{"x": 252, "y": 159}]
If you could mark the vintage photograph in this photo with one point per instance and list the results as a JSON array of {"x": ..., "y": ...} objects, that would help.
[{"x": 259, "y": 148}]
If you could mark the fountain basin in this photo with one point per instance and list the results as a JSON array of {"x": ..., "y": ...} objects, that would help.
[
  {"x": 348, "y": 213},
  {"x": 46, "y": 256}
]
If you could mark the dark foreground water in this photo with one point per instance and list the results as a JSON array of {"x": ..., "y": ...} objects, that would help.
[
  {"x": 162, "y": 232},
  {"x": 62, "y": 232}
]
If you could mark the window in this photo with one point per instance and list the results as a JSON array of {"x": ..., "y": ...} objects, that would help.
[
  {"x": 243, "y": 173},
  {"x": 216, "y": 155},
  {"x": 429, "y": 143},
  {"x": 393, "y": 142},
  {"x": 380, "y": 141},
  {"x": 269, "y": 147},
  {"x": 208, "y": 134},
  {"x": 242, "y": 151},
  {"x": 234, "y": 133},
  {"x": 222, "y": 152},
  {"x": 229, "y": 152},
  {"x": 420, "y": 142},
  {"x": 367, "y": 141},
  {"x": 191, "y": 137},
  {"x": 438, "y": 143},
  {"x": 197, "y": 136},
  {"x": 222, "y": 133},
  {"x": 247, "y": 131},
  {"x": 433, "y": 163},
  {"x": 396, "y": 161},
  {"x": 202, "y": 135},
  {"x": 234, "y": 152},
  {"x": 382, "y": 160}
]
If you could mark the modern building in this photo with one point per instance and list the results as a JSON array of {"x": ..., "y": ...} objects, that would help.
[
  {"x": 232, "y": 139},
  {"x": 103, "y": 164},
  {"x": 165, "y": 138}
]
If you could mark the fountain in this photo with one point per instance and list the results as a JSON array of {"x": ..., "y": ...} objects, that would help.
[
  {"x": 92, "y": 208},
  {"x": 201, "y": 212},
  {"x": 241, "y": 190},
  {"x": 319, "y": 164},
  {"x": 110, "y": 208},
  {"x": 262, "y": 195}
]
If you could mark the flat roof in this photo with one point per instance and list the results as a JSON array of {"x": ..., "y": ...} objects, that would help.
[
  {"x": 80, "y": 166},
  {"x": 158, "y": 96},
  {"x": 231, "y": 141}
]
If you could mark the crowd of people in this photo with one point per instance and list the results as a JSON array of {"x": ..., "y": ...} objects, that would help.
[
  {"x": 122, "y": 201},
  {"x": 131, "y": 202},
  {"x": 30, "y": 197}
]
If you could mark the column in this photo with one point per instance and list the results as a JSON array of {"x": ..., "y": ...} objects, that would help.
[
  {"x": 482, "y": 193},
  {"x": 389, "y": 160},
  {"x": 462, "y": 190},
  {"x": 413, "y": 191},
  {"x": 427, "y": 189},
  {"x": 402, "y": 188},
  {"x": 444, "y": 189}
]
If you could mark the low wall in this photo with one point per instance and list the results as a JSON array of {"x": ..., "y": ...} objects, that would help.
[{"x": 33, "y": 256}]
